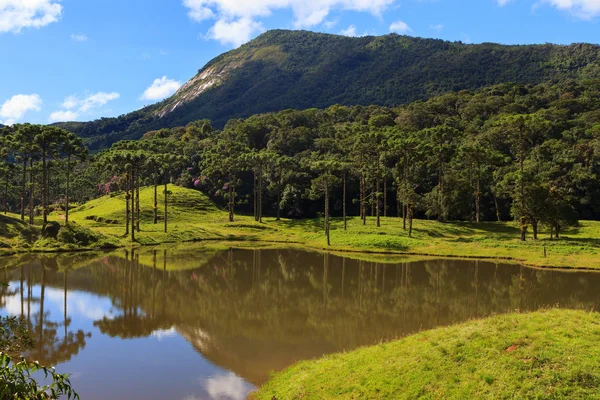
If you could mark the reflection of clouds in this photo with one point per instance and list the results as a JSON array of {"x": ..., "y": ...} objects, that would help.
[
  {"x": 82, "y": 304},
  {"x": 227, "y": 387},
  {"x": 161, "y": 334},
  {"x": 79, "y": 304},
  {"x": 12, "y": 306}
]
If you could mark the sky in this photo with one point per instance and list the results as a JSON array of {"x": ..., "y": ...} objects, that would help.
[{"x": 79, "y": 60}]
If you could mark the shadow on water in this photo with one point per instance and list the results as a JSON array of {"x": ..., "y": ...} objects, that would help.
[{"x": 250, "y": 312}]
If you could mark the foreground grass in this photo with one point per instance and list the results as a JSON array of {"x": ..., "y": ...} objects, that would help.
[
  {"x": 192, "y": 217},
  {"x": 547, "y": 354}
]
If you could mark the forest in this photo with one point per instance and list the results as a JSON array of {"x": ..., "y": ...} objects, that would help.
[
  {"x": 527, "y": 153},
  {"x": 283, "y": 69}
]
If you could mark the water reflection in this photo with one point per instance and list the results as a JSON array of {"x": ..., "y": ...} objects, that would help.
[{"x": 247, "y": 312}]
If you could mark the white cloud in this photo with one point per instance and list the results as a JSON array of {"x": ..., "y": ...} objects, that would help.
[
  {"x": 63, "y": 116},
  {"x": 437, "y": 27},
  {"x": 161, "y": 334},
  {"x": 73, "y": 106},
  {"x": 97, "y": 100},
  {"x": 502, "y": 3},
  {"x": 79, "y": 37},
  {"x": 349, "y": 31},
  {"x": 18, "y": 14},
  {"x": 228, "y": 386},
  {"x": 400, "y": 27},
  {"x": 17, "y": 106},
  {"x": 244, "y": 16},
  {"x": 584, "y": 9},
  {"x": 161, "y": 88},
  {"x": 235, "y": 32}
]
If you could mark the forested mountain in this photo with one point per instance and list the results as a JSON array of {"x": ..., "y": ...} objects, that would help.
[{"x": 298, "y": 69}]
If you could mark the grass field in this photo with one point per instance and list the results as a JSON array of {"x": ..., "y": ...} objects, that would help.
[
  {"x": 192, "y": 217},
  {"x": 547, "y": 354}
]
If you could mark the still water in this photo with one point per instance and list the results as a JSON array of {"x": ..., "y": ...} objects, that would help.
[{"x": 196, "y": 324}]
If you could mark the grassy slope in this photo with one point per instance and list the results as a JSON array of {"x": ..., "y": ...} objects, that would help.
[
  {"x": 193, "y": 217},
  {"x": 548, "y": 354}
]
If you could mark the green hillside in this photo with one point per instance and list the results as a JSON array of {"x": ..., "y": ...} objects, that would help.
[
  {"x": 543, "y": 355},
  {"x": 298, "y": 69}
]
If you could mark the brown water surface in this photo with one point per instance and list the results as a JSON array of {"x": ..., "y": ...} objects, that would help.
[{"x": 193, "y": 324}]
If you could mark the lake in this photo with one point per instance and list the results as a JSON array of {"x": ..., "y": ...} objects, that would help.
[{"x": 193, "y": 323}]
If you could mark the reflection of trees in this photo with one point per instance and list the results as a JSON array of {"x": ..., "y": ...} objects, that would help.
[
  {"x": 255, "y": 311},
  {"x": 133, "y": 322},
  {"x": 50, "y": 348}
]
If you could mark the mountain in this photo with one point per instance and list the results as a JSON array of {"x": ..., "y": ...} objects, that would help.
[{"x": 298, "y": 69}]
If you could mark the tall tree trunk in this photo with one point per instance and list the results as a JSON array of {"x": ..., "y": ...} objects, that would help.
[
  {"x": 155, "y": 203},
  {"x": 522, "y": 188},
  {"x": 534, "y": 226},
  {"x": 231, "y": 216},
  {"x": 260, "y": 194},
  {"x": 31, "y": 192},
  {"x": 344, "y": 202},
  {"x": 362, "y": 198},
  {"x": 133, "y": 205},
  {"x": 384, "y": 197},
  {"x": 497, "y": 207},
  {"x": 137, "y": 202},
  {"x": 23, "y": 190},
  {"x": 166, "y": 204},
  {"x": 255, "y": 192},
  {"x": 378, "y": 202},
  {"x": 374, "y": 198},
  {"x": 557, "y": 229},
  {"x": 364, "y": 201},
  {"x": 44, "y": 189},
  {"x": 410, "y": 219},
  {"x": 5, "y": 200},
  {"x": 404, "y": 215},
  {"x": 278, "y": 205},
  {"x": 327, "y": 214},
  {"x": 67, "y": 191},
  {"x": 478, "y": 196},
  {"x": 127, "y": 190}
]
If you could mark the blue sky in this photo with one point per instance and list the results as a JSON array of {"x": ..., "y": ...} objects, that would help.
[{"x": 86, "y": 59}]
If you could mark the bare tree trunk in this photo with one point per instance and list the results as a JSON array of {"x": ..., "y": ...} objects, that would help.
[
  {"x": 260, "y": 194},
  {"x": 127, "y": 190},
  {"x": 155, "y": 203},
  {"x": 166, "y": 204},
  {"x": 327, "y": 214},
  {"x": 534, "y": 226},
  {"x": 478, "y": 196},
  {"x": 378, "y": 202},
  {"x": 67, "y": 192},
  {"x": 497, "y": 207},
  {"x": 374, "y": 198},
  {"x": 133, "y": 204},
  {"x": 23, "y": 190},
  {"x": 137, "y": 203},
  {"x": 344, "y": 202},
  {"x": 31, "y": 192},
  {"x": 522, "y": 189},
  {"x": 363, "y": 205},
  {"x": 278, "y": 205},
  {"x": 384, "y": 197},
  {"x": 231, "y": 203},
  {"x": 410, "y": 219},
  {"x": 255, "y": 190},
  {"x": 44, "y": 189}
]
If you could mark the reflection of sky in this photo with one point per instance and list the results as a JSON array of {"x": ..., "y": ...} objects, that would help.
[
  {"x": 161, "y": 366},
  {"x": 81, "y": 306}
]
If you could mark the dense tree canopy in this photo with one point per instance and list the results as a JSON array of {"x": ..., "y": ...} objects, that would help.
[{"x": 527, "y": 152}]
